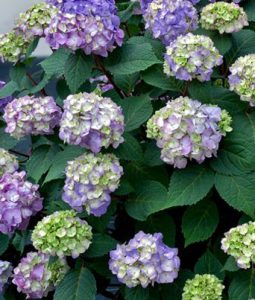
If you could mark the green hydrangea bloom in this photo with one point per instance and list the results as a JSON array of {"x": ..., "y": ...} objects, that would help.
[
  {"x": 224, "y": 17},
  {"x": 62, "y": 234},
  {"x": 203, "y": 287},
  {"x": 239, "y": 242}
]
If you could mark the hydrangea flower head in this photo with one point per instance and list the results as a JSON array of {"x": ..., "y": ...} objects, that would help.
[
  {"x": 19, "y": 200},
  {"x": 6, "y": 100},
  {"x": 13, "y": 47},
  {"x": 145, "y": 260},
  {"x": 8, "y": 162},
  {"x": 35, "y": 276},
  {"x": 239, "y": 242},
  {"x": 186, "y": 129},
  {"x": 90, "y": 179},
  {"x": 224, "y": 17},
  {"x": 62, "y": 234},
  {"x": 242, "y": 78},
  {"x": 31, "y": 115},
  {"x": 5, "y": 273},
  {"x": 191, "y": 57},
  {"x": 206, "y": 287},
  {"x": 167, "y": 19},
  {"x": 89, "y": 25},
  {"x": 91, "y": 121},
  {"x": 35, "y": 20}
]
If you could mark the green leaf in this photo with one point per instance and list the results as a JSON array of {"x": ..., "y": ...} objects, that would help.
[
  {"x": 54, "y": 65},
  {"x": 152, "y": 155},
  {"x": 21, "y": 239},
  {"x": 242, "y": 286},
  {"x": 209, "y": 264},
  {"x": 127, "y": 13},
  {"x": 230, "y": 265},
  {"x": 10, "y": 88},
  {"x": 190, "y": 185},
  {"x": 40, "y": 161},
  {"x": 243, "y": 43},
  {"x": 6, "y": 141},
  {"x": 237, "y": 154},
  {"x": 60, "y": 162},
  {"x": 137, "y": 110},
  {"x": 249, "y": 7},
  {"x": 237, "y": 191},
  {"x": 101, "y": 245},
  {"x": 155, "y": 76},
  {"x": 132, "y": 58},
  {"x": 32, "y": 46},
  {"x": 209, "y": 94},
  {"x": 4, "y": 243},
  {"x": 18, "y": 74},
  {"x": 199, "y": 222},
  {"x": 137, "y": 293},
  {"x": 161, "y": 222},
  {"x": 126, "y": 82},
  {"x": 77, "y": 285},
  {"x": 130, "y": 149},
  {"x": 151, "y": 197},
  {"x": 77, "y": 70},
  {"x": 41, "y": 84}
]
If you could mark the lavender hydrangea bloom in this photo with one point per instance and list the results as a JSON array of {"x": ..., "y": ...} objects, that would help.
[
  {"x": 186, "y": 129},
  {"x": 167, "y": 19},
  {"x": 36, "y": 277},
  {"x": 89, "y": 25},
  {"x": 91, "y": 121},
  {"x": 35, "y": 20},
  {"x": 19, "y": 200},
  {"x": 192, "y": 56},
  {"x": 5, "y": 273},
  {"x": 31, "y": 115},
  {"x": 145, "y": 260},
  {"x": 242, "y": 78},
  {"x": 6, "y": 100},
  {"x": 224, "y": 17},
  {"x": 8, "y": 162},
  {"x": 90, "y": 179}
]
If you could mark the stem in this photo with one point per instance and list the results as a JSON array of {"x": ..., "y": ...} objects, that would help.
[
  {"x": 35, "y": 84},
  {"x": 19, "y": 153},
  {"x": 186, "y": 89},
  {"x": 109, "y": 76}
]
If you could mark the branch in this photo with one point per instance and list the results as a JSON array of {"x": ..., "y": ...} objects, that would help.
[{"x": 35, "y": 84}]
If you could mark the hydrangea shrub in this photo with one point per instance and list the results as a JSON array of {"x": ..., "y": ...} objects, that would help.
[{"x": 127, "y": 162}]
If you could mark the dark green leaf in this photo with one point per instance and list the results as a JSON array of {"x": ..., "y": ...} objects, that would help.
[
  {"x": 32, "y": 46},
  {"x": 126, "y": 82},
  {"x": 21, "y": 239},
  {"x": 137, "y": 293},
  {"x": 6, "y": 141},
  {"x": 77, "y": 285},
  {"x": 4, "y": 243},
  {"x": 242, "y": 286},
  {"x": 10, "y": 88},
  {"x": 130, "y": 149},
  {"x": 101, "y": 245},
  {"x": 200, "y": 222},
  {"x": 249, "y": 7},
  {"x": 152, "y": 155},
  {"x": 230, "y": 265}
]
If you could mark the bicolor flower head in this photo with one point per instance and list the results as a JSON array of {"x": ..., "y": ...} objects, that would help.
[
  {"x": 4, "y": 101},
  {"x": 35, "y": 276},
  {"x": 145, "y": 260},
  {"x": 186, "y": 129},
  {"x": 30, "y": 115},
  {"x": 5, "y": 273},
  {"x": 224, "y": 17},
  {"x": 35, "y": 20},
  {"x": 13, "y": 47},
  {"x": 19, "y": 200},
  {"x": 191, "y": 57},
  {"x": 91, "y": 121},
  {"x": 8, "y": 162},
  {"x": 90, "y": 179},
  {"x": 62, "y": 234},
  {"x": 167, "y": 19},
  {"x": 90, "y": 25},
  {"x": 239, "y": 242},
  {"x": 206, "y": 287},
  {"x": 242, "y": 78}
]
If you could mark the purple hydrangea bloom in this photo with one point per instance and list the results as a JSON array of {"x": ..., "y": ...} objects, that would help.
[
  {"x": 89, "y": 25},
  {"x": 145, "y": 260},
  {"x": 167, "y": 19},
  {"x": 5, "y": 273},
  {"x": 8, "y": 162},
  {"x": 186, "y": 129},
  {"x": 91, "y": 121},
  {"x": 31, "y": 115},
  {"x": 191, "y": 57},
  {"x": 6, "y": 100},
  {"x": 19, "y": 200},
  {"x": 90, "y": 179},
  {"x": 36, "y": 277}
]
